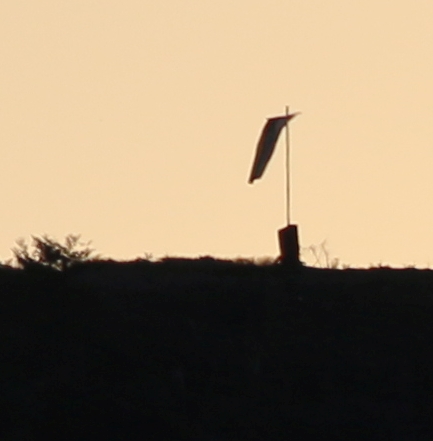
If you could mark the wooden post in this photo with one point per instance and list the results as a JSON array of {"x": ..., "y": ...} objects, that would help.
[{"x": 289, "y": 246}]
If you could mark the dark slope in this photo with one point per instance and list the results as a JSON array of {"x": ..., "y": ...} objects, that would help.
[{"x": 214, "y": 350}]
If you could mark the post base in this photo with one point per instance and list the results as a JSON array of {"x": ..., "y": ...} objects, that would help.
[{"x": 289, "y": 246}]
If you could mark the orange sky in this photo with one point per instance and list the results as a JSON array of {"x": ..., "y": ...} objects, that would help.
[{"x": 134, "y": 124}]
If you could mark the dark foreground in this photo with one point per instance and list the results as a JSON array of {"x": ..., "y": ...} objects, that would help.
[{"x": 210, "y": 350}]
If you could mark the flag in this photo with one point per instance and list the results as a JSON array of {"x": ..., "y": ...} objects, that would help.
[{"x": 266, "y": 145}]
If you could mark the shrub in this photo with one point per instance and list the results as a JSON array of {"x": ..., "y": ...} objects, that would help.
[{"x": 48, "y": 252}]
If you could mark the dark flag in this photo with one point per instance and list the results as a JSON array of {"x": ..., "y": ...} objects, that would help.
[{"x": 266, "y": 144}]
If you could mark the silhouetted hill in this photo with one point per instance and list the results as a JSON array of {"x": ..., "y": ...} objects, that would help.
[{"x": 215, "y": 350}]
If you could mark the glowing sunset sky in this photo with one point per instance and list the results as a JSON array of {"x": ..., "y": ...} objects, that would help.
[{"x": 134, "y": 124}]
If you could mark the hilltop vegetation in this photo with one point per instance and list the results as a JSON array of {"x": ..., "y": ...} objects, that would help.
[{"x": 204, "y": 349}]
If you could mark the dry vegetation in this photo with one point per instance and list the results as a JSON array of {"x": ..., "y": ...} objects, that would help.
[{"x": 205, "y": 349}]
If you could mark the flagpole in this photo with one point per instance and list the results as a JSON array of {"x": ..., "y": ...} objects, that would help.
[{"x": 287, "y": 169}]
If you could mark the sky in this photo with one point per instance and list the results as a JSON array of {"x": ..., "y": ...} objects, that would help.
[{"x": 134, "y": 124}]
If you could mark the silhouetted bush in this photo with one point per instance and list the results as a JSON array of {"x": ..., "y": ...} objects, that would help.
[{"x": 48, "y": 252}]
